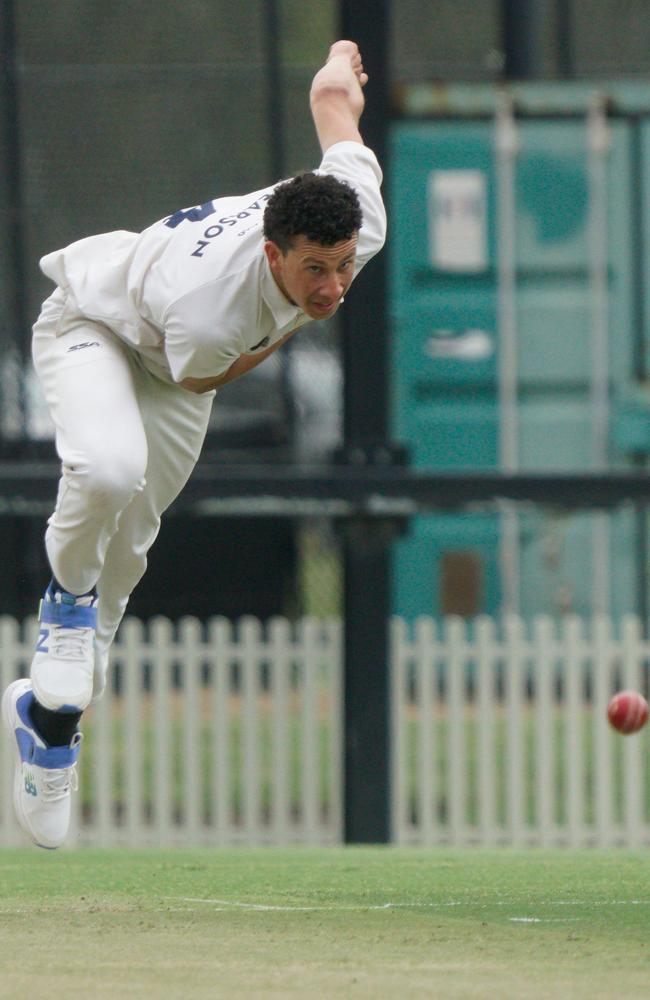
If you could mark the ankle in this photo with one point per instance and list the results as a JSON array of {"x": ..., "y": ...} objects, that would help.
[
  {"x": 56, "y": 728},
  {"x": 54, "y": 587}
]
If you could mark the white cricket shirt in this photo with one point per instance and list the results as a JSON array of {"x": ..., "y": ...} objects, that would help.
[{"x": 194, "y": 291}]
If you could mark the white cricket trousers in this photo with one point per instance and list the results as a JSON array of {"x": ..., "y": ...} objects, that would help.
[{"x": 128, "y": 438}]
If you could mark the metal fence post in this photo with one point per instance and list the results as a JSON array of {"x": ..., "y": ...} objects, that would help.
[{"x": 367, "y": 598}]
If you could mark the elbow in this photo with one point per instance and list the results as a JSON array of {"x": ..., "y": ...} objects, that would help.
[
  {"x": 198, "y": 385},
  {"x": 187, "y": 384}
]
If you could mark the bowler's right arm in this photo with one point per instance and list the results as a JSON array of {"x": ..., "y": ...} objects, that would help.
[{"x": 336, "y": 98}]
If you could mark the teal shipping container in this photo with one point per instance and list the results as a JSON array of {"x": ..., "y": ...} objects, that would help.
[{"x": 519, "y": 258}]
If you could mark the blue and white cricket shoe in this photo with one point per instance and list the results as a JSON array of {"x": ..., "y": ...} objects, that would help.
[
  {"x": 44, "y": 777},
  {"x": 64, "y": 661}
]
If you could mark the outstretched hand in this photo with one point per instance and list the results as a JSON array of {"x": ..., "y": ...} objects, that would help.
[{"x": 351, "y": 51}]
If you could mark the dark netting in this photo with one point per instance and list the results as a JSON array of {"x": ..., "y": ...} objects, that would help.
[
  {"x": 448, "y": 40},
  {"x": 610, "y": 38},
  {"x": 90, "y": 32},
  {"x": 457, "y": 40}
]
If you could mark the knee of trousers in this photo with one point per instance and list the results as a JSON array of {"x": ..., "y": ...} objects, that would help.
[{"x": 110, "y": 481}]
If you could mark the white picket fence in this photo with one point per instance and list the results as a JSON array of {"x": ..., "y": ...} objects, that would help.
[
  {"x": 218, "y": 735},
  {"x": 500, "y": 733},
  {"x": 229, "y": 733}
]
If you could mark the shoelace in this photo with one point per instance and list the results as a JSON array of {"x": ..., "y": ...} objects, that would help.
[
  {"x": 59, "y": 783},
  {"x": 70, "y": 643}
]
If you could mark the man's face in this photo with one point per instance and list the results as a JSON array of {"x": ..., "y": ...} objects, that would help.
[{"x": 312, "y": 276}]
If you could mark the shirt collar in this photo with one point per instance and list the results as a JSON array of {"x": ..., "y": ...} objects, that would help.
[{"x": 283, "y": 311}]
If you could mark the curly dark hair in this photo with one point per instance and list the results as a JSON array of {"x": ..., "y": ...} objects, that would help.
[{"x": 318, "y": 206}]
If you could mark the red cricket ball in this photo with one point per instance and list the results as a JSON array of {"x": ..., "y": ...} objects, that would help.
[{"x": 628, "y": 711}]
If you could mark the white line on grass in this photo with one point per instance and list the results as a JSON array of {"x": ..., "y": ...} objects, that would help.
[
  {"x": 266, "y": 907},
  {"x": 224, "y": 903},
  {"x": 544, "y": 920}
]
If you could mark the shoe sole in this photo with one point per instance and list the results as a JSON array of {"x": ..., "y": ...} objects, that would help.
[{"x": 8, "y": 720}]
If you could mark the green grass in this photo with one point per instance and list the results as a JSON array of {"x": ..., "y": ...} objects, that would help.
[{"x": 340, "y": 923}]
